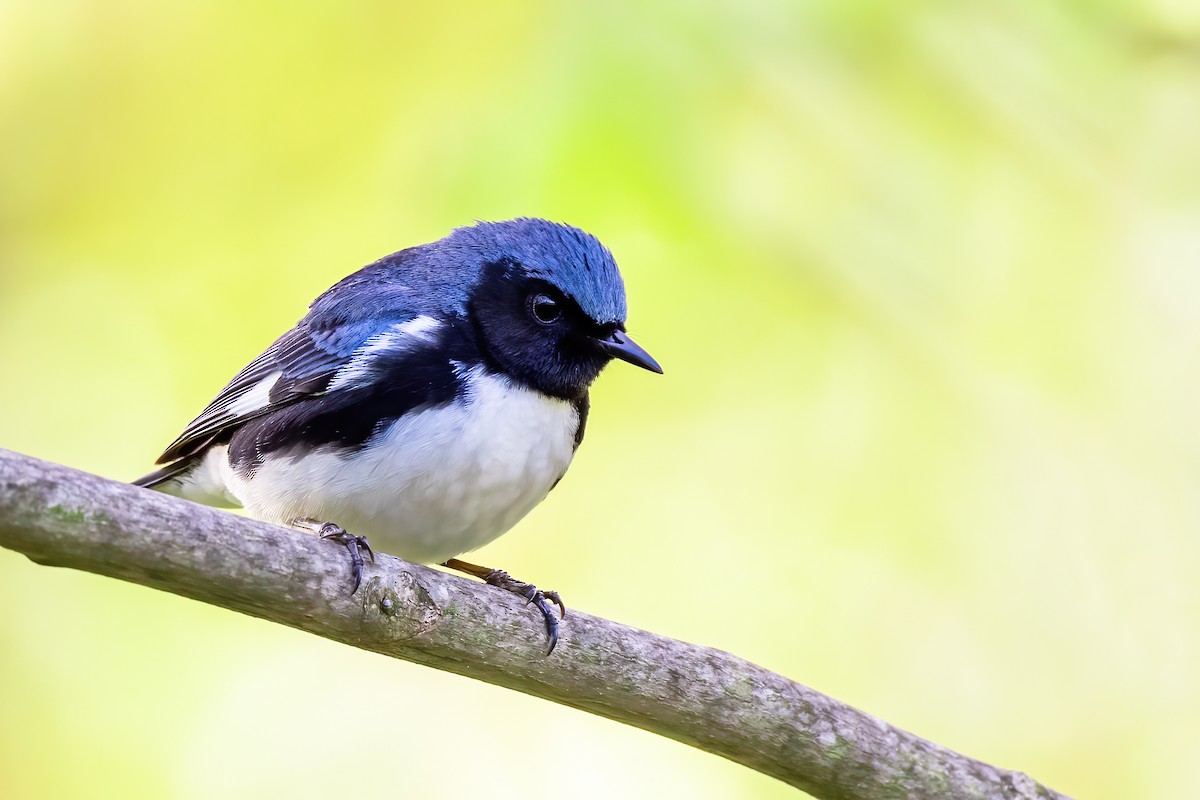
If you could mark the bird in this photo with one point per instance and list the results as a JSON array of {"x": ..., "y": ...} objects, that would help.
[{"x": 424, "y": 404}]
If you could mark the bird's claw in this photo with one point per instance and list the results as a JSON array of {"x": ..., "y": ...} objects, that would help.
[
  {"x": 554, "y": 597},
  {"x": 502, "y": 580},
  {"x": 352, "y": 543}
]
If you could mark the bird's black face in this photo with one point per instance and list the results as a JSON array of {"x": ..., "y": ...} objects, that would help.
[{"x": 539, "y": 336}]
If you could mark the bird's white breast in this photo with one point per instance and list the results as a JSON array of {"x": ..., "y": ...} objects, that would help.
[{"x": 436, "y": 483}]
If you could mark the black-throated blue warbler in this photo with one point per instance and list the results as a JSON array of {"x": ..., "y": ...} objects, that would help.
[{"x": 427, "y": 402}]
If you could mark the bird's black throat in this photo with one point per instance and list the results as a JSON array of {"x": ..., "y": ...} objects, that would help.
[{"x": 561, "y": 360}]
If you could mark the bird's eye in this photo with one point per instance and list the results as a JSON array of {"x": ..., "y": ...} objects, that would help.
[{"x": 545, "y": 309}]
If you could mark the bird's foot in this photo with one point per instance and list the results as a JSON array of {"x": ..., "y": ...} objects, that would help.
[
  {"x": 354, "y": 544},
  {"x": 502, "y": 580}
]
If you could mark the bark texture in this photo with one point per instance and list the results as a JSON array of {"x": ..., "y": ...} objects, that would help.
[{"x": 704, "y": 697}]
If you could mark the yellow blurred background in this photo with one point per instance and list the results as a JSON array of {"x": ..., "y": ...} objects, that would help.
[{"x": 924, "y": 278}]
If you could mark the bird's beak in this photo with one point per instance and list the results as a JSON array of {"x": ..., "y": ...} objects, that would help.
[{"x": 619, "y": 345}]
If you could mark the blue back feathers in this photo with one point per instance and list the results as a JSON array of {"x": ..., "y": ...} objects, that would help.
[{"x": 438, "y": 277}]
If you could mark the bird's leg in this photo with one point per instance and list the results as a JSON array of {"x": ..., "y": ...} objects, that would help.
[
  {"x": 502, "y": 580},
  {"x": 355, "y": 544}
]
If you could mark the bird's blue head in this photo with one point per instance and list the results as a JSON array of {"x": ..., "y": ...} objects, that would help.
[
  {"x": 561, "y": 255},
  {"x": 549, "y": 302}
]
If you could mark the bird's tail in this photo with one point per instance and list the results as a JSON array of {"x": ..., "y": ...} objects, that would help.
[{"x": 161, "y": 476}]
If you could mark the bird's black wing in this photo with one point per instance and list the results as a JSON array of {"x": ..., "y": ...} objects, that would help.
[{"x": 304, "y": 362}]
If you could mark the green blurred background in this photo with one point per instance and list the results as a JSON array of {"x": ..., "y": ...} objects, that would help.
[{"x": 924, "y": 278}]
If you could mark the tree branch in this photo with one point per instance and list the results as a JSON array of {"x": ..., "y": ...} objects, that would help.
[{"x": 706, "y": 698}]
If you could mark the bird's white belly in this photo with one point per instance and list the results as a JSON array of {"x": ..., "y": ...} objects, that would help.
[{"x": 437, "y": 483}]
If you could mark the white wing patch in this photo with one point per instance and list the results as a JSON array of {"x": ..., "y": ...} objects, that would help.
[
  {"x": 254, "y": 399},
  {"x": 395, "y": 339}
]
